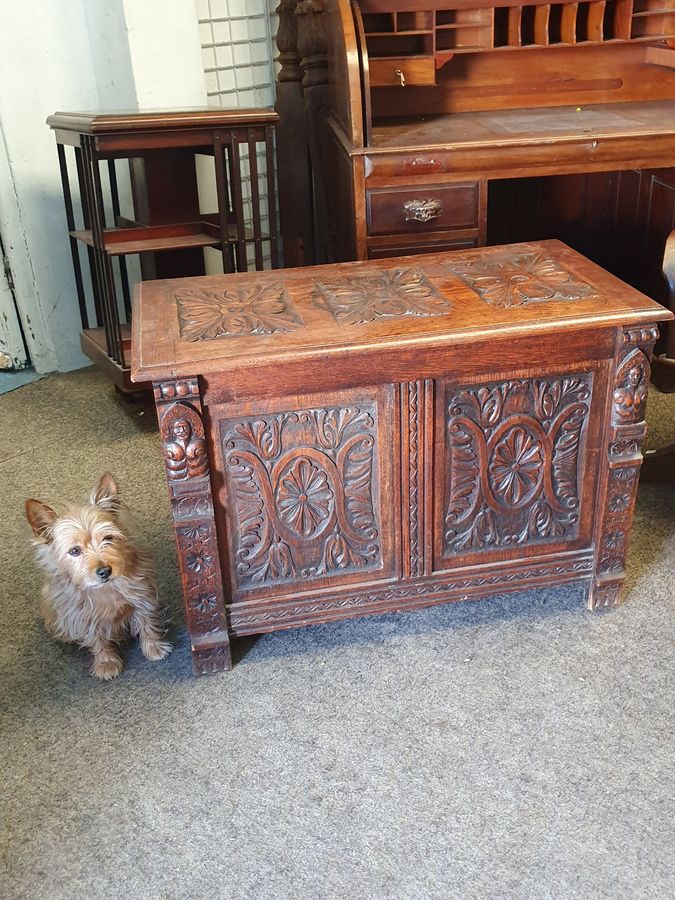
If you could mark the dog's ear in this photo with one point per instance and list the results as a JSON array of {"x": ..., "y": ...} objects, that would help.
[
  {"x": 106, "y": 493},
  {"x": 41, "y": 519}
]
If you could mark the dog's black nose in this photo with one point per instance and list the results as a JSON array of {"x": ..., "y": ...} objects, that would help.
[{"x": 103, "y": 572}]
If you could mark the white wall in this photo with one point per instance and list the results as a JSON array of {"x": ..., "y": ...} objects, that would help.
[{"x": 74, "y": 55}]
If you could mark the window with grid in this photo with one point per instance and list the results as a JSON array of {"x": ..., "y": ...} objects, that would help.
[{"x": 238, "y": 57}]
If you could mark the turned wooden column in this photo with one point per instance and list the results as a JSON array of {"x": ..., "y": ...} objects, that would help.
[
  {"x": 312, "y": 49},
  {"x": 295, "y": 185}
]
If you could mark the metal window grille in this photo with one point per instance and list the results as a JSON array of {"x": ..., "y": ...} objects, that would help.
[{"x": 237, "y": 53}]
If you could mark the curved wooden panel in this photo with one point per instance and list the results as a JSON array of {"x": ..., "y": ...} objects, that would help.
[{"x": 344, "y": 69}]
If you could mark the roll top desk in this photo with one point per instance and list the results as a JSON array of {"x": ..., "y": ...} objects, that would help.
[{"x": 440, "y": 125}]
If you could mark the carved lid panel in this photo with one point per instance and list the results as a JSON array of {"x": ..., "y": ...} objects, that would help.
[{"x": 234, "y": 323}]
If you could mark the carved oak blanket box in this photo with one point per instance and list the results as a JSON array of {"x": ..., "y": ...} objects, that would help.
[{"x": 373, "y": 436}]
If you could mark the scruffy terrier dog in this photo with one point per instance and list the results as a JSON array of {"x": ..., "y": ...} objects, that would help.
[{"x": 100, "y": 581}]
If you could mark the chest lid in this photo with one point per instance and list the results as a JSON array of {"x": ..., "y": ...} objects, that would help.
[{"x": 230, "y": 323}]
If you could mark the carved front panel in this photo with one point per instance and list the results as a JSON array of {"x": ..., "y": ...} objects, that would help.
[
  {"x": 303, "y": 489},
  {"x": 513, "y": 463}
]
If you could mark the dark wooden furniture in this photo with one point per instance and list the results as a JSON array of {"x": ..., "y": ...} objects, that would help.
[
  {"x": 447, "y": 124},
  {"x": 374, "y": 436},
  {"x": 167, "y": 228},
  {"x": 660, "y": 464}
]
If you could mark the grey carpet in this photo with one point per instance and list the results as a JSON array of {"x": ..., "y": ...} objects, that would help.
[{"x": 515, "y": 748}]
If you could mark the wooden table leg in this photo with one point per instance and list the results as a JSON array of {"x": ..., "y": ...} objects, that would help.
[
  {"x": 663, "y": 367},
  {"x": 660, "y": 465},
  {"x": 181, "y": 429},
  {"x": 626, "y": 431}
]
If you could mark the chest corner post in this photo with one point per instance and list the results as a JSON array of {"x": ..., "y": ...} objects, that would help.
[{"x": 188, "y": 475}]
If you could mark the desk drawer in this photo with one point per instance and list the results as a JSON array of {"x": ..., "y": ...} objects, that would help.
[
  {"x": 424, "y": 208},
  {"x": 393, "y": 72},
  {"x": 387, "y": 251}
]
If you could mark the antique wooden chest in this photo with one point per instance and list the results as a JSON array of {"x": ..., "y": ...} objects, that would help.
[{"x": 384, "y": 435}]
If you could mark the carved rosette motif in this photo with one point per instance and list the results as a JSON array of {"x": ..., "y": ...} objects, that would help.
[
  {"x": 372, "y": 295},
  {"x": 515, "y": 458},
  {"x": 204, "y": 315},
  {"x": 528, "y": 277},
  {"x": 627, "y": 429},
  {"x": 301, "y": 487},
  {"x": 186, "y": 461}
]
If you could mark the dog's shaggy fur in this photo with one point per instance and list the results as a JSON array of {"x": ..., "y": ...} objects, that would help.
[{"x": 100, "y": 580}]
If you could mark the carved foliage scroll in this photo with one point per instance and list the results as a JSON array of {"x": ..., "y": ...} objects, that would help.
[
  {"x": 528, "y": 277},
  {"x": 515, "y": 459},
  {"x": 302, "y": 487},
  {"x": 372, "y": 295}
]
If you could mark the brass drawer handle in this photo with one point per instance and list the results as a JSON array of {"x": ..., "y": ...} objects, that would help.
[
  {"x": 401, "y": 76},
  {"x": 422, "y": 210}
]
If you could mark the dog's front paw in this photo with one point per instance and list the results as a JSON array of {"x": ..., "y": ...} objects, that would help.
[
  {"x": 154, "y": 650},
  {"x": 107, "y": 667}
]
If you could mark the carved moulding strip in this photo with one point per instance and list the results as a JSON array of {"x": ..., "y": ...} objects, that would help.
[
  {"x": 529, "y": 277},
  {"x": 415, "y": 394},
  {"x": 251, "y": 618},
  {"x": 640, "y": 335},
  {"x": 515, "y": 457},
  {"x": 207, "y": 314},
  {"x": 302, "y": 490},
  {"x": 172, "y": 390},
  {"x": 626, "y": 431},
  {"x": 181, "y": 430},
  {"x": 391, "y": 292}
]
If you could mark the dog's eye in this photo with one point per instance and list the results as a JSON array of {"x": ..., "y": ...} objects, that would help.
[
  {"x": 108, "y": 539},
  {"x": 75, "y": 551}
]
